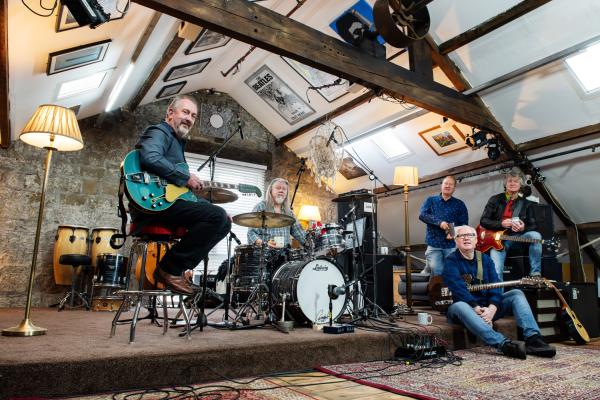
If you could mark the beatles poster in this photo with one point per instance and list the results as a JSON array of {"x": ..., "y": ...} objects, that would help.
[{"x": 279, "y": 95}]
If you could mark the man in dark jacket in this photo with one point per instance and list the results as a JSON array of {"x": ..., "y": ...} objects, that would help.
[
  {"x": 161, "y": 150},
  {"x": 476, "y": 311},
  {"x": 511, "y": 212}
]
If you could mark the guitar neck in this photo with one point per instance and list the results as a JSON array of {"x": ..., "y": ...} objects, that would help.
[
  {"x": 520, "y": 239},
  {"x": 486, "y": 286},
  {"x": 221, "y": 185}
]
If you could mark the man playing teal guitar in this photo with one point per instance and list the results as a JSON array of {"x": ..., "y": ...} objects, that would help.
[{"x": 161, "y": 155}]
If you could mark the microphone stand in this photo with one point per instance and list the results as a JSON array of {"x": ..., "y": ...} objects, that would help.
[{"x": 299, "y": 175}]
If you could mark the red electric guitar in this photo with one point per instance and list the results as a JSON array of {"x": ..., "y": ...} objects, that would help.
[{"x": 488, "y": 239}]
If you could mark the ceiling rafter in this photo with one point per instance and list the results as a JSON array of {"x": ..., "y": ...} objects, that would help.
[
  {"x": 490, "y": 25},
  {"x": 274, "y": 32},
  {"x": 559, "y": 138}
]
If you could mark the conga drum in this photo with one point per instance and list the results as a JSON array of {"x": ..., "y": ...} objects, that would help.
[
  {"x": 101, "y": 243},
  {"x": 152, "y": 260},
  {"x": 69, "y": 239}
]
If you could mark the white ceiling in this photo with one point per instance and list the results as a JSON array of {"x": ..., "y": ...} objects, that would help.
[{"x": 537, "y": 104}]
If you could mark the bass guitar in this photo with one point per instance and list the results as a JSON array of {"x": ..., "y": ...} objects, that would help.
[
  {"x": 440, "y": 297},
  {"x": 488, "y": 239},
  {"x": 574, "y": 327},
  {"x": 152, "y": 193}
]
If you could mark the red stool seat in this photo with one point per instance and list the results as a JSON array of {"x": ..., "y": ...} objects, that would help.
[{"x": 158, "y": 230}]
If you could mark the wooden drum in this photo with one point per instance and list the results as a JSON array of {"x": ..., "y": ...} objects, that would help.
[
  {"x": 152, "y": 259},
  {"x": 69, "y": 239},
  {"x": 101, "y": 243}
]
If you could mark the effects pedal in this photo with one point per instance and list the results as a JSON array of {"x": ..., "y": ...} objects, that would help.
[{"x": 338, "y": 328}]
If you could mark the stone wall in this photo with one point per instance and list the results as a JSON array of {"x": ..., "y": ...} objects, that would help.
[{"x": 83, "y": 185}]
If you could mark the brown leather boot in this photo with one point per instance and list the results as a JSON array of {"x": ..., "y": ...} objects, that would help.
[{"x": 177, "y": 284}]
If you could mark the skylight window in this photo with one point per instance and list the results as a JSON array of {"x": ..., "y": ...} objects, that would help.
[
  {"x": 585, "y": 66},
  {"x": 389, "y": 143},
  {"x": 81, "y": 85}
]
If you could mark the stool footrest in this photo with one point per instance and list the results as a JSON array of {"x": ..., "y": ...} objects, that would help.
[{"x": 144, "y": 293}]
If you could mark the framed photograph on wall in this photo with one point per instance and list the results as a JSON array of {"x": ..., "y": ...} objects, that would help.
[
  {"x": 318, "y": 78},
  {"x": 66, "y": 21},
  {"x": 76, "y": 57},
  {"x": 188, "y": 69},
  {"x": 170, "y": 90},
  {"x": 278, "y": 95},
  {"x": 207, "y": 40},
  {"x": 444, "y": 140}
]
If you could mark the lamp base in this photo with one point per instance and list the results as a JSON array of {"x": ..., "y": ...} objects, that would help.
[{"x": 25, "y": 328}]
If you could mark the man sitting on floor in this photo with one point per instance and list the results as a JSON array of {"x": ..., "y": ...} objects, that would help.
[{"x": 476, "y": 311}]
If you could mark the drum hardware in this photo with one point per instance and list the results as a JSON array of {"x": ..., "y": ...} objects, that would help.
[{"x": 284, "y": 325}]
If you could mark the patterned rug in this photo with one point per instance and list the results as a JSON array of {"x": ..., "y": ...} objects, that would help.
[{"x": 484, "y": 374}]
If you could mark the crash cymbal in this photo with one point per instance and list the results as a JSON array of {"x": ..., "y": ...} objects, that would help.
[
  {"x": 271, "y": 220},
  {"x": 218, "y": 195},
  {"x": 352, "y": 197}
]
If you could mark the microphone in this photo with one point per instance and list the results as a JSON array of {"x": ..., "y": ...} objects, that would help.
[
  {"x": 234, "y": 237},
  {"x": 239, "y": 123},
  {"x": 335, "y": 291},
  {"x": 331, "y": 139},
  {"x": 347, "y": 214}
]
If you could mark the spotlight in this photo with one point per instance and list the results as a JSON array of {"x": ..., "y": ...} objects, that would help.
[
  {"x": 476, "y": 139},
  {"x": 87, "y": 12},
  {"x": 493, "y": 147}
]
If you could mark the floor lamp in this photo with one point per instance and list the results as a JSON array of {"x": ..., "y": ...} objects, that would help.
[
  {"x": 407, "y": 176},
  {"x": 52, "y": 128}
]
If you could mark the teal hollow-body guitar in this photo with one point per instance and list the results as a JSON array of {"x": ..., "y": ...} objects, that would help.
[{"x": 151, "y": 193}]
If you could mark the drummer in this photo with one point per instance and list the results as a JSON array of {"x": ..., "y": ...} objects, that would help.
[{"x": 277, "y": 201}]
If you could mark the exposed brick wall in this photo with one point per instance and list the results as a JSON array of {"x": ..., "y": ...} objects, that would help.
[{"x": 82, "y": 188}]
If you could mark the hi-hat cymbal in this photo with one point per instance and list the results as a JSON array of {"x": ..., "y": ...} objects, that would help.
[
  {"x": 270, "y": 219},
  {"x": 352, "y": 197},
  {"x": 218, "y": 195}
]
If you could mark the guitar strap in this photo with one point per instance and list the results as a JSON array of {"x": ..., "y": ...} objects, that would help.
[
  {"x": 122, "y": 212},
  {"x": 479, "y": 266},
  {"x": 518, "y": 206}
]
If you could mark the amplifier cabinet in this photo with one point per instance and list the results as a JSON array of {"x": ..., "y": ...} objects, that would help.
[{"x": 547, "y": 311}]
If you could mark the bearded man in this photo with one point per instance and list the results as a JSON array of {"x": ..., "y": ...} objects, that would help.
[
  {"x": 161, "y": 149},
  {"x": 277, "y": 201}
]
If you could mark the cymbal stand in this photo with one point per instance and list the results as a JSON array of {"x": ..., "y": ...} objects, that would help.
[{"x": 226, "y": 323}]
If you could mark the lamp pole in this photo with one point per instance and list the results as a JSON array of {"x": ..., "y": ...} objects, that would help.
[{"x": 408, "y": 269}]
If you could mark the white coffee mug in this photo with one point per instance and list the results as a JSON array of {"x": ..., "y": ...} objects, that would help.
[
  {"x": 424, "y": 318},
  {"x": 278, "y": 241}
]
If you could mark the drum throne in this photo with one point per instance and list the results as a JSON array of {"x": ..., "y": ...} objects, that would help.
[
  {"x": 74, "y": 260},
  {"x": 146, "y": 239}
]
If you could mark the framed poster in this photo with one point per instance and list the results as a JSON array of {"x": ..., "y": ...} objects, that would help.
[
  {"x": 318, "y": 78},
  {"x": 278, "y": 95},
  {"x": 171, "y": 90},
  {"x": 76, "y": 57},
  {"x": 207, "y": 40},
  {"x": 188, "y": 69},
  {"x": 66, "y": 21},
  {"x": 444, "y": 140}
]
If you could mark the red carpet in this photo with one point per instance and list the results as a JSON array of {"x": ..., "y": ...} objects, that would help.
[{"x": 483, "y": 374}]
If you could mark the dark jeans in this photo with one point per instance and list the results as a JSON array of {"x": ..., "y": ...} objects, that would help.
[{"x": 206, "y": 223}]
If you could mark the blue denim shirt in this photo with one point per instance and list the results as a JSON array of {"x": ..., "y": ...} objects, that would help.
[
  {"x": 435, "y": 210},
  {"x": 456, "y": 266}
]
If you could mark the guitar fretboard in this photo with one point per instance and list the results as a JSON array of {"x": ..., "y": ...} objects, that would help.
[
  {"x": 486, "y": 286},
  {"x": 219, "y": 185},
  {"x": 520, "y": 239}
]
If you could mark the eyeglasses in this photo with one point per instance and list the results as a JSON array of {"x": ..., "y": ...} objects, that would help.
[{"x": 464, "y": 235}]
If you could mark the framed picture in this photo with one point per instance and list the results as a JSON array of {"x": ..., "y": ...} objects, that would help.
[
  {"x": 186, "y": 69},
  {"x": 361, "y": 13},
  {"x": 278, "y": 95},
  {"x": 207, "y": 40},
  {"x": 66, "y": 21},
  {"x": 171, "y": 89},
  {"x": 76, "y": 57},
  {"x": 444, "y": 141},
  {"x": 318, "y": 78}
]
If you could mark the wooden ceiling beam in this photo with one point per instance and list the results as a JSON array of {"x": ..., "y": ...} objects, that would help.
[
  {"x": 490, "y": 25},
  {"x": 274, "y": 32},
  {"x": 4, "y": 89},
  {"x": 559, "y": 138}
]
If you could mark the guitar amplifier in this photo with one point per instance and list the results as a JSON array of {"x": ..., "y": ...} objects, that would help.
[
  {"x": 582, "y": 299},
  {"x": 546, "y": 309}
]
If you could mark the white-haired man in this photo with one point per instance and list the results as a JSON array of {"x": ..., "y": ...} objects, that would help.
[
  {"x": 276, "y": 200},
  {"x": 510, "y": 211},
  {"x": 476, "y": 311},
  {"x": 161, "y": 150}
]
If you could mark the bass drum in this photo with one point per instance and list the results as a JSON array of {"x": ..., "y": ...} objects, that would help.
[{"x": 306, "y": 283}]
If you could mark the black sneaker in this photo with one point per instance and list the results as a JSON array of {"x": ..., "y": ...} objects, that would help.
[
  {"x": 514, "y": 349},
  {"x": 536, "y": 346}
]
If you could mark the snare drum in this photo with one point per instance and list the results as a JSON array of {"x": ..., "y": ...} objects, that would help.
[
  {"x": 306, "y": 284},
  {"x": 331, "y": 241},
  {"x": 101, "y": 243},
  {"x": 69, "y": 239},
  {"x": 247, "y": 266}
]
